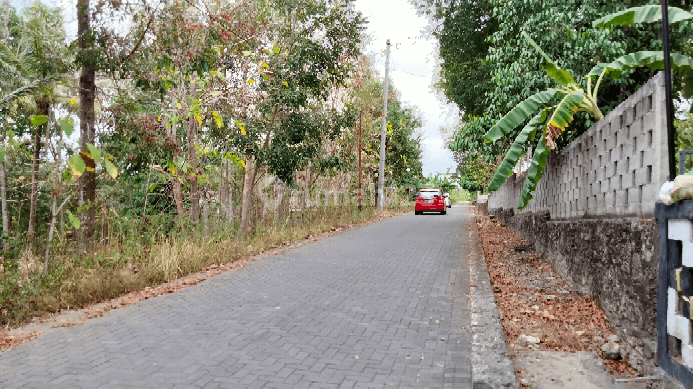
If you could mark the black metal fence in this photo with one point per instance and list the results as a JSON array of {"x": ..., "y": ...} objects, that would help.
[{"x": 675, "y": 292}]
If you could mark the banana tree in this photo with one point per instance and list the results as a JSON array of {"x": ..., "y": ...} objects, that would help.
[
  {"x": 551, "y": 120},
  {"x": 645, "y": 14}
]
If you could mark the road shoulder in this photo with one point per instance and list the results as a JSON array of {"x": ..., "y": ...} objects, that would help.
[{"x": 491, "y": 364}]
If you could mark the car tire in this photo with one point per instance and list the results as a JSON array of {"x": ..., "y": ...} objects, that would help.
[
  {"x": 417, "y": 213},
  {"x": 444, "y": 212}
]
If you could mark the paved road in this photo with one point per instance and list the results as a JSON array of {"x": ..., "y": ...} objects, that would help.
[{"x": 380, "y": 306}]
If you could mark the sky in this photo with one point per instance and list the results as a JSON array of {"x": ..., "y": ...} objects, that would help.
[{"x": 412, "y": 69}]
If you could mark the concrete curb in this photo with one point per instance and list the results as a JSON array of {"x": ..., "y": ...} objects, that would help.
[{"x": 491, "y": 364}]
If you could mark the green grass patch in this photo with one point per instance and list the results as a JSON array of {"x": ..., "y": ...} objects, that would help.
[{"x": 457, "y": 195}]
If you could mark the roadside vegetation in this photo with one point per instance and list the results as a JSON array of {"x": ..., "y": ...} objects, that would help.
[
  {"x": 198, "y": 135},
  {"x": 490, "y": 63},
  {"x": 457, "y": 195}
]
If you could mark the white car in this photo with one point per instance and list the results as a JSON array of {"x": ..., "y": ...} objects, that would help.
[{"x": 448, "y": 202}]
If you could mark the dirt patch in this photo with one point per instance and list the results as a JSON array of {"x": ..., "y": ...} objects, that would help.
[
  {"x": 538, "y": 309},
  {"x": 9, "y": 340}
]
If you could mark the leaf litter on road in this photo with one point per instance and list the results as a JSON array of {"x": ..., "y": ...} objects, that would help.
[{"x": 535, "y": 301}]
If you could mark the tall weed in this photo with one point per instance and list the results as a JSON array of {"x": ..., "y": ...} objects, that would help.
[{"x": 143, "y": 256}]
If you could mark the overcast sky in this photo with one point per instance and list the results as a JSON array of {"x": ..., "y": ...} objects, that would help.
[{"x": 412, "y": 67}]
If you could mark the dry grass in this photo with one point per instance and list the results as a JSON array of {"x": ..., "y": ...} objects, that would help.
[{"x": 78, "y": 286}]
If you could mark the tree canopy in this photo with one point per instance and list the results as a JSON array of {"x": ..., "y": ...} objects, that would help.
[{"x": 507, "y": 70}]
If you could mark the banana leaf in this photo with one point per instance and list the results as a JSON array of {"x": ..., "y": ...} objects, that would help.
[
  {"x": 516, "y": 150},
  {"x": 651, "y": 59},
  {"x": 519, "y": 114},
  {"x": 563, "y": 114},
  {"x": 646, "y": 14},
  {"x": 596, "y": 71},
  {"x": 536, "y": 171},
  {"x": 552, "y": 70}
]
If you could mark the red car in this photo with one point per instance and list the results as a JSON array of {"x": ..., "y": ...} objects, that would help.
[{"x": 430, "y": 200}]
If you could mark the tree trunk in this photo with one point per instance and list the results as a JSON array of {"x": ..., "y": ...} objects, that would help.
[
  {"x": 249, "y": 179},
  {"x": 5, "y": 210},
  {"x": 146, "y": 196},
  {"x": 51, "y": 228},
  {"x": 43, "y": 109},
  {"x": 222, "y": 189},
  {"x": 205, "y": 216},
  {"x": 192, "y": 177},
  {"x": 87, "y": 131},
  {"x": 278, "y": 214},
  {"x": 229, "y": 192},
  {"x": 105, "y": 226},
  {"x": 177, "y": 188}
]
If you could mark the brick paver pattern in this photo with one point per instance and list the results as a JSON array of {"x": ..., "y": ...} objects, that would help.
[{"x": 380, "y": 306}]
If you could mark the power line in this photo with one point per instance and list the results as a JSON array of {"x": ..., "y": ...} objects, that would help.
[{"x": 404, "y": 71}]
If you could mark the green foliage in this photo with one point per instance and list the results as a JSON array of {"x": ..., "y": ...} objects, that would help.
[
  {"x": 684, "y": 140},
  {"x": 535, "y": 172},
  {"x": 403, "y": 166},
  {"x": 77, "y": 162},
  {"x": 574, "y": 99},
  {"x": 516, "y": 151},
  {"x": 474, "y": 173},
  {"x": 457, "y": 195},
  {"x": 403, "y": 148},
  {"x": 487, "y": 35},
  {"x": 519, "y": 114},
  {"x": 651, "y": 59},
  {"x": 38, "y": 120},
  {"x": 441, "y": 181},
  {"x": 462, "y": 32},
  {"x": 645, "y": 14},
  {"x": 191, "y": 95}
]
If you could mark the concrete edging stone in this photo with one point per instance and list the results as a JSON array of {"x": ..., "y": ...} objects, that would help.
[{"x": 491, "y": 364}]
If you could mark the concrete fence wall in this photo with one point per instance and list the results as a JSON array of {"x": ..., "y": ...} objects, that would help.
[
  {"x": 592, "y": 216},
  {"x": 615, "y": 168}
]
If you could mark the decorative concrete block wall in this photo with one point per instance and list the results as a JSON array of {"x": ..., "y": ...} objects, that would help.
[
  {"x": 592, "y": 217},
  {"x": 615, "y": 168}
]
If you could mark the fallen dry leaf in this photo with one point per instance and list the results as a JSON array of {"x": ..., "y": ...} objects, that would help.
[
  {"x": 9, "y": 341},
  {"x": 533, "y": 299}
]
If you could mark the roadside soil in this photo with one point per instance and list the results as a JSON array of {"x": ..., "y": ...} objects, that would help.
[
  {"x": 11, "y": 337},
  {"x": 554, "y": 335}
]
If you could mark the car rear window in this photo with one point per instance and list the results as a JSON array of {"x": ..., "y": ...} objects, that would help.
[{"x": 427, "y": 195}]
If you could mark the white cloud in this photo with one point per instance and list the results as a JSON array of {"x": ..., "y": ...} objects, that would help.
[{"x": 412, "y": 70}]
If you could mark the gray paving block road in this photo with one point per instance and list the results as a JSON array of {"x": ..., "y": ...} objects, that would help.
[{"x": 380, "y": 306}]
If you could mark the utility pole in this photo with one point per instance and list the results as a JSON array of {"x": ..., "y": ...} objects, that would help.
[
  {"x": 381, "y": 168},
  {"x": 360, "y": 136},
  {"x": 671, "y": 134}
]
